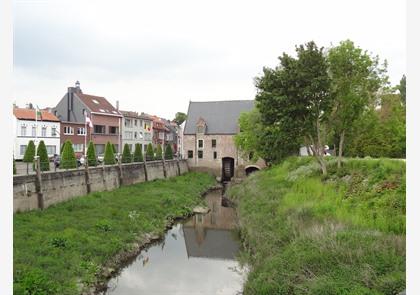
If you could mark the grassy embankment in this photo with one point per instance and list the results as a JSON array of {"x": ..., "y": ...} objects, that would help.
[
  {"x": 341, "y": 234},
  {"x": 67, "y": 244}
]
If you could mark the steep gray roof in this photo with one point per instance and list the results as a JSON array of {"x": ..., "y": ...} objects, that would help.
[{"x": 221, "y": 116}]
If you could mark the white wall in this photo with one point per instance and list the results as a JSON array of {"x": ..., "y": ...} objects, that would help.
[
  {"x": 139, "y": 129},
  {"x": 24, "y": 140}
]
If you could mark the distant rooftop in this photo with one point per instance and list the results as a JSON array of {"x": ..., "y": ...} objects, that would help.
[
  {"x": 221, "y": 117},
  {"x": 29, "y": 114}
]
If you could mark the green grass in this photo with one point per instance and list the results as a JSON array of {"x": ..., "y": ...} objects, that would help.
[
  {"x": 308, "y": 234},
  {"x": 67, "y": 244}
]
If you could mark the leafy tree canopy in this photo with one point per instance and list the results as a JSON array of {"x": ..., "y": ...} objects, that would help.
[
  {"x": 68, "y": 158},
  {"x": 43, "y": 156},
  {"x": 180, "y": 118},
  {"x": 169, "y": 155},
  {"x": 109, "y": 156},
  {"x": 91, "y": 154},
  {"x": 138, "y": 155},
  {"x": 150, "y": 153},
  {"x": 29, "y": 153},
  {"x": 126, "y": 156}
]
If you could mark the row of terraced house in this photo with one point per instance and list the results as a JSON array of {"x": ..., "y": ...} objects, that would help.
[{"x": 81, "y": 118}]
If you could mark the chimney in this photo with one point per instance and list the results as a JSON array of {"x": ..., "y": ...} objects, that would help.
[{"x": 117, "y": 105}]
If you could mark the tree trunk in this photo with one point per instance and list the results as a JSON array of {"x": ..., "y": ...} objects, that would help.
[
  {"x": 320, "y": 149},
  {"x": 340, "y": 150}
]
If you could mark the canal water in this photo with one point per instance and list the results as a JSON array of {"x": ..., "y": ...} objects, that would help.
[{"x": 196, "y": 256}]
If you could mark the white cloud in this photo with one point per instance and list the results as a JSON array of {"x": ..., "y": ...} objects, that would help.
[{"x": 154, "y": 56}]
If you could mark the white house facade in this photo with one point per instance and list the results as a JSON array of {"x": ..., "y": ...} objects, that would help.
[
  {"x": 26, "y": 128},
  {"x": 136, "y": 129}
]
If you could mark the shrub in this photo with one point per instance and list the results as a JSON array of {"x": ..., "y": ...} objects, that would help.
[
  {"x": 149, "y": 153},
  {"x": 169, "y": 155},
  {"x": 43, "y": 156},
  {"x": 114, "y": 149},
  {"x": 138, "y": 155},
  {"x": 29, "y": 153},
  {"x": 158, "y": 152},
  {"x": 91, "y": 155},
  {"x": 126, "y": 156},
  {"x": 109, "y": 157},
  {"x": 68, "y": 158}
]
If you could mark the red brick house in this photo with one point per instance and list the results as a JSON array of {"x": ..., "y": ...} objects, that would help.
[{"x": 106, "y": 120}]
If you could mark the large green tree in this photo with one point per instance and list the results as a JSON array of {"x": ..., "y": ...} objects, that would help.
[
  {"x": 180, "y": 118},
  {"x": 401, "y": 89},
  {"x": 127, "y": 157},
  {"x": 356, "y": 77},
  {"x": 43, "y": 156},
  {"x": 68, "y": 158},
  {"x": 91, "y": 154},
  {"x": 138, "y": 155},
  {"x": 294, "y": 99}
]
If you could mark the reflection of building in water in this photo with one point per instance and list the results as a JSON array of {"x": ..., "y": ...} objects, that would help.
[{"x": 210, "y": 235}]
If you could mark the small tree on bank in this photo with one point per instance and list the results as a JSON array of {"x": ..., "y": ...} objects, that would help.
[
  {"x": 68, "y": 158},
  {"x": 43, "y": 156},
  {"x": 158, "y": 152},
  {"x": 169, "y": 155},
  {"x": 29, "y": 155},
  {"x": 114, "y": 149},
  {"x": 149, "y": 153},
  {"x": 138, "y": 155},
  {"x": 91, "y": 154},
  {"x": 126, "y": 156},
  {"x": 109, "y": 157}
]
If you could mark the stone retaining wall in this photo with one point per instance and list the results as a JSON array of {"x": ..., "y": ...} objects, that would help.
[{"x": 60, "y": 186}]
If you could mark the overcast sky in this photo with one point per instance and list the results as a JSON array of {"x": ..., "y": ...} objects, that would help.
[{"x": 156, "y": 56}]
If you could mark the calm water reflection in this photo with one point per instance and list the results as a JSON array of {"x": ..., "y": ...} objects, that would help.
[{"x": 196, "y": 257}]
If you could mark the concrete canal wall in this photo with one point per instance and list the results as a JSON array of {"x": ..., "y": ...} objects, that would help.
[{"x": 30, "y": 192}]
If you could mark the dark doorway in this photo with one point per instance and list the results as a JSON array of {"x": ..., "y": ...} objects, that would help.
[
  {"x": 228, "y": 168},
  {"x": 251, "y": 169}
]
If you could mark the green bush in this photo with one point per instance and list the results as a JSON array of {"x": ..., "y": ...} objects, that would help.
[
  {"x": 138, "y": 155},
  {"x": 29, "y": 153},
  {"x": 91, "y": 154},
  {"x": 126, "y": 156},
  {"x": 43, "y": 156},
  {"x": 114, "y": 149},
  {"x": 158, "y": 152},
  {"x": 68, "y": 158},
  {"x": 149, "y": 153},
  {"x": 169, "y": 155},
  {"x": 109, "y": 157}
]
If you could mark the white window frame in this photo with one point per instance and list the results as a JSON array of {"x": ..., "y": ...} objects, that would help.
[
  {"x": 68, "y": 130},
  {"x": 81, "y": 131}
]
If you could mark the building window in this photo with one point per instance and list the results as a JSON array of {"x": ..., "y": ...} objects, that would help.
[
  {"x": 100, "y": 149},
  {"x": 214, "y": 155},
  {"x": 147, "y": 136},
  {"x": 190, "y": 154},
  {"x": 200, "y": 143},
  {"x": 99, "y": 129},
  {"x": 68, "y": 130},
  {"x": 200, "y": 154},
  {"x": 135, "y": 122},
  {"x": 23, "y": 149},
  {"x": 213, "y": 143},
  {"x": 51, "y": 149},
  {"x": 200, "y": 129},
  {"x": 44, "y": 131},
  {"x": 81, "y": 131},
  {"x": 53, "y": 131},
  {"x": 128, "y": 123},
  {"x": 23, "y": 130},
  {"x": 113, "y": 130},
  {"x": 33, "y": 131},
  {"x": 78, "y": 147}
]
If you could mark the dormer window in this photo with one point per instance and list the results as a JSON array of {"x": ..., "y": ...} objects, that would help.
[{"x": 201, "y": 126}]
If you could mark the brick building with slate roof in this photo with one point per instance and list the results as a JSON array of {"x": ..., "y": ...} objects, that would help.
[{"x": 208, "y": 143}]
